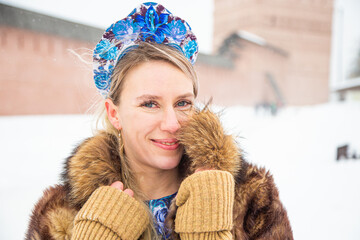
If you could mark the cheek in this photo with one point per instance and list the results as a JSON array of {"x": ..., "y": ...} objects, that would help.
[
  {"x": 184, "y": 116},
  {"x": 139, "y": 126}
]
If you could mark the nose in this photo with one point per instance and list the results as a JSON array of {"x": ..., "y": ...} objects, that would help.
[{"x": 170, "y": 121}]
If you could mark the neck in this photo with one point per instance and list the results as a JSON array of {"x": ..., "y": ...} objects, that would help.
[{"x": 158, "y": 183}]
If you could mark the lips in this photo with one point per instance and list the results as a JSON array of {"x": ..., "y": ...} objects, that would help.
[{"x": 167, "y": 144}]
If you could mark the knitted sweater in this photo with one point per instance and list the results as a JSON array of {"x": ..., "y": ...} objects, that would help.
[{"x": 205, "y": 206}]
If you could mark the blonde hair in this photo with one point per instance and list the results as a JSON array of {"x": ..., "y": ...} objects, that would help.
[{"x": 145, "y": 52}]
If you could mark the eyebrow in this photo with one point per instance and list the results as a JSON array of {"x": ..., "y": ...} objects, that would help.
[
  {"x": 147, "y": 97},
  {"x": 186, "y": 95},
  {"x": 154, "y": 97}
]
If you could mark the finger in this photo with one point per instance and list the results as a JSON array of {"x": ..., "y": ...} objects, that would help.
[
  {"x": 129, "y": 192},
  {"x": 118, "y": 185}
]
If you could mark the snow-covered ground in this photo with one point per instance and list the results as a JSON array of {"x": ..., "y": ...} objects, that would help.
[{"x": 298, "y": 146}]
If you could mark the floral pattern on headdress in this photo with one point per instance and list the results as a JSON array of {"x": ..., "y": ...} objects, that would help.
[{"x": 150, "y": 22}]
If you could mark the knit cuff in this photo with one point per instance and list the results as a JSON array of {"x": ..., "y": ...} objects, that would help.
[
  {"x": 108, "y": 212},
  {"x": 93, "y": 230},
  {"x": 205, "y": 200},
  {"x": 223, "y": 235}
]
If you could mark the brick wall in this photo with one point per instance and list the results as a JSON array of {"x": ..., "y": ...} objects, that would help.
[
  {"x": 39, "y": 74},
  {"x": 300, "y": 27}
]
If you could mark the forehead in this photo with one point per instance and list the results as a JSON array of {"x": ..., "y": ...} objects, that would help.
[{"x": 158, "y": 78}]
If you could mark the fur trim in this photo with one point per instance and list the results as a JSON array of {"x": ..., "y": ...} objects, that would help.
[
  {"x": 47, "y": 214},
  {"x": 61, "y": 222},
  {"x": 258, "y": 212},
  {"x": 206, "y": 144},
  {"x": 93, "y": 164}
]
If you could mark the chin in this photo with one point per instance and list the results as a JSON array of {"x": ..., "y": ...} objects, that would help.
[{"x": 168, "y": 163}]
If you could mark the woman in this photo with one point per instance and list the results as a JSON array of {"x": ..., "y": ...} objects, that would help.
[{"x": 158, "y": 156}]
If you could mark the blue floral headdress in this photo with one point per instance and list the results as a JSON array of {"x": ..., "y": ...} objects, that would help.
[{"x": 150, "y": 22}]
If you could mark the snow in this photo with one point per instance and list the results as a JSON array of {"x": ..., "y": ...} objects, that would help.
[{"x": 298, "y": 146}]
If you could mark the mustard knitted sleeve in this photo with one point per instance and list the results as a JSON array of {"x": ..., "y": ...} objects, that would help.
[
  {"x": 110, "y": 214},
  {"x": 205, "y": 200}
]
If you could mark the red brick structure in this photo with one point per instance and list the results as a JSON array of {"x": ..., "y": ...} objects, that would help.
[
  {"x": 285, "y": 62},
  {"x": 250, "y": 79},
  {"x": 302, "y": 29},
  {"x": 39, "y": 74}
]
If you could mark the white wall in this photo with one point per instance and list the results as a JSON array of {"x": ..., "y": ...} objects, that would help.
[{"x": 345, "y": 40}]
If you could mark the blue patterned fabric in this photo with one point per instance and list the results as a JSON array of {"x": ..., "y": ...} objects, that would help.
[
  {"x": 150, "y": 22},
  {"x": 159, "y": 208}
]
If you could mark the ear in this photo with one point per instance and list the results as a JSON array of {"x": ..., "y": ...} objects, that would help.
[{"x": 113, "y": 113}]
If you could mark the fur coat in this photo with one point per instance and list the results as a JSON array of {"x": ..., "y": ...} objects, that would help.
[{"x": 257, "y": 213}]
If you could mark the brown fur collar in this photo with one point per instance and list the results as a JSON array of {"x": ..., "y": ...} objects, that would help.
[
  {"x": 96, "y": 161},
  {"x": 258, "y": 212}
]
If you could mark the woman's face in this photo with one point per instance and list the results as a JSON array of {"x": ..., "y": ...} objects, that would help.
[{"x": 156, "y": 98}]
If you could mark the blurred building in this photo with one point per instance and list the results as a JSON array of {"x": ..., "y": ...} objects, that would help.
[
  {"x": 265, "y": 52},
  {"x": 280, "y": 50},
  {"x": 345, "y": 65},
  {"x": 39, "y": 73}
]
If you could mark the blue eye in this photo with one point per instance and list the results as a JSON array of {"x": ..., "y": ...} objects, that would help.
[
  {"x": 149, "y": 104},
  {"x": 184, "y": 104}
]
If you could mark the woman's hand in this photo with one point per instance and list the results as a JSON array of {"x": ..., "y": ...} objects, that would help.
[
  {"x": 120, "y": 186},
  {"x": 203, "y": 169}
]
